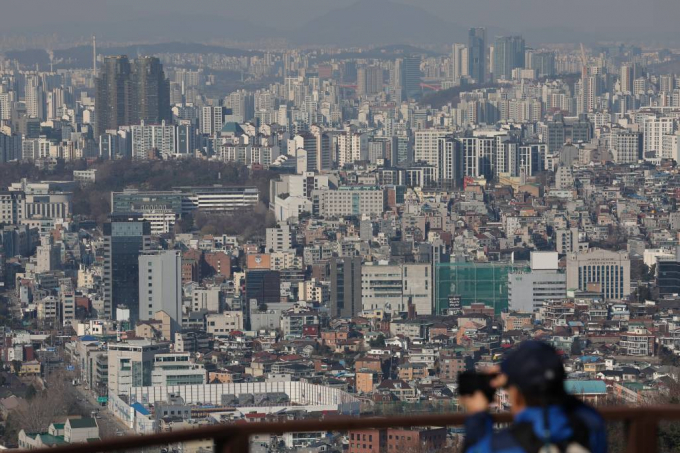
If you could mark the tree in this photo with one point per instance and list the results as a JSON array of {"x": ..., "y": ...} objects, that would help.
[
  {"x": 58, "y": 399},
  {"x": 378, "y": 342},
  {"x": 31, "y": 392}
]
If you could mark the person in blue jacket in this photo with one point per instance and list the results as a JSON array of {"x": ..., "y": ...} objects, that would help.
[{"x": 546, "y": 418}]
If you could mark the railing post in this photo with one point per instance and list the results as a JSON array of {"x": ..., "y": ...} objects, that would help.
[
  {"x": 240, "y": 444},
  {"x": 642, "y": 434}
]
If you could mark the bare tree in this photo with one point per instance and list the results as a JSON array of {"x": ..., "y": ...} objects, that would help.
[{"x": 57, "y": 400}]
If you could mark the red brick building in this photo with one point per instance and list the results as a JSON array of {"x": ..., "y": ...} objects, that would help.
[
  {"x": 367, "y": 441},
  {"x": 416, "y": 440}
]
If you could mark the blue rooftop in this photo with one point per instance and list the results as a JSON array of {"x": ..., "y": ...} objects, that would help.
[
  {"x": 139, "y": 408},
  {"x": 589, "y": 358}
]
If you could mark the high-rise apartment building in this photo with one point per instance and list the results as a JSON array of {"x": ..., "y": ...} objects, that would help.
[
  {"x": 128, "y": 94},
  {"x": 426, "y": 146},
  {"x": 151, "y": 92},
  {"x": 113, "y": 97},
  {"x": 212, "y": 119},
  {"x": 459, "y": 58},
  {"x": 35, "y": 97},
  {"x": 369, "y": 80},
  {"x": 450, "y": 162}
]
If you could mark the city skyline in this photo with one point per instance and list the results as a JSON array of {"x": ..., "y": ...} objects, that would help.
[{"x": 335, "y": 212}]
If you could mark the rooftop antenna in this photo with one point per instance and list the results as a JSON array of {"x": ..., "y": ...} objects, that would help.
[{"x": 94, "y": 56}]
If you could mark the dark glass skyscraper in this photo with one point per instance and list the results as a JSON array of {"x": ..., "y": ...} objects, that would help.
[
  {"x": 477, "y": 54},
  {"x": 508, "y": 54},
  {"x": 668, "y": 275},
  {"x": 131, "y": 93},
  {"x": 125, "y": 236},
  {"x": 410, "y": 77},
  {"x": 113, "y": 94},
  {"x": 263, "y": 286},
  {"x": 345, "y": 286},
  {"x": 151, "y": 91}
]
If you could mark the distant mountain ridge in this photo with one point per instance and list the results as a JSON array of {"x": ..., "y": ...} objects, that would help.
[{"x": 377, "y": 22}]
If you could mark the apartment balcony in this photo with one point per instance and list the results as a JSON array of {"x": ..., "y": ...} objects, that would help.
[{"x": 640, "y": 431}]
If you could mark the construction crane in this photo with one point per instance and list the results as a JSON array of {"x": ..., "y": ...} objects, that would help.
[{"x": 584, "y": 62}]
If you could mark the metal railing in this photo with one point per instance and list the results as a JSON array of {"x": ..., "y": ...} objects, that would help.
[{"x": 641, "y": 425}]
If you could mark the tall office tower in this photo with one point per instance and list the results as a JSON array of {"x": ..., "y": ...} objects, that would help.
[
  {"x": 508, "y": 55},
  {"x": 668, "y": 274},
  {"x": 185, "y": 139},
  {"x": 10, "y": 148},
  {"x": 410, "y": 78},
  {"x": 126, "y": 235},
  {"x": 113, "y": 97},
  {"x": 130, "y": 364},
  {"x": 151, "y": 92},
  {"x": 404, "y": 153},
  {"x": 369, "y": 80},
  {"x": 160, "y": 286},
  {"x": 543, "y": 63},
  {"x": 477, "y": 54},
  {"x": 35, "y": 97},
  {"x": 262, "y": 287},
  {"x": 626, "y": 77},
  {"x": 345, "y": 287},
  {"x": 459, "y": 57}
]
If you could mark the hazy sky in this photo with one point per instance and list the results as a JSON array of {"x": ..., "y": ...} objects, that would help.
[{"x": 637, "y": 18}]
